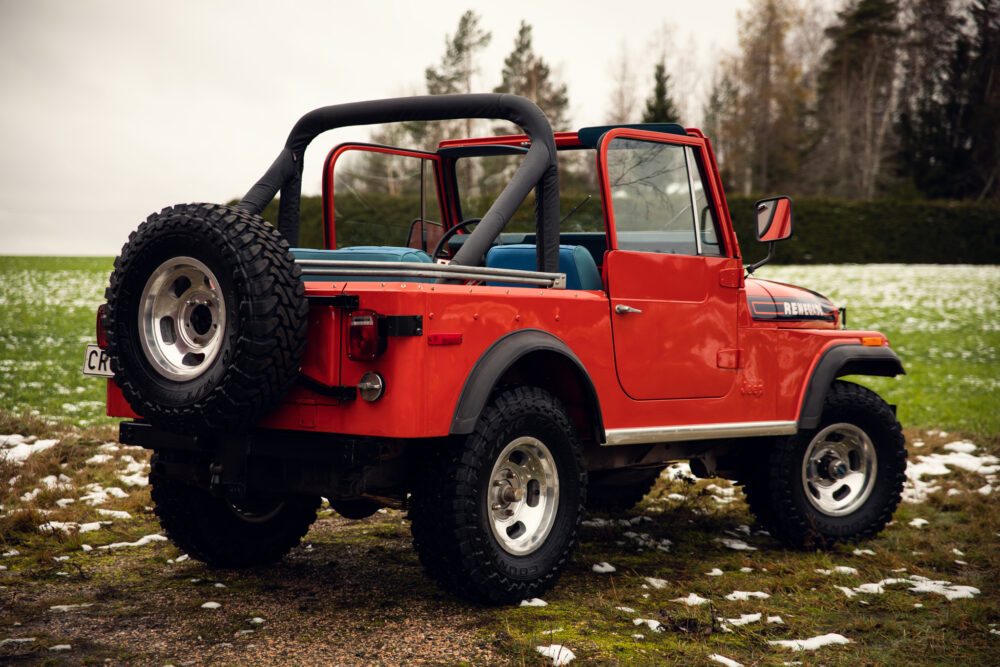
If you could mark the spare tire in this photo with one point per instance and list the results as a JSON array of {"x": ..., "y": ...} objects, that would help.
[{"x": 206, "y": 318}]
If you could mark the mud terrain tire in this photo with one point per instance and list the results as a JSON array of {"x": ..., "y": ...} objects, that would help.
[
  {"x": 206, "y": 318},
  {"x": 842, "y": 480},
  {"x": 229, "y": 534},
  {"x": 524, "y": 457}
]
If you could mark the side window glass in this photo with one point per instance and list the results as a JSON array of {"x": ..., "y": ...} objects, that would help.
[
  {"x": 706, "y": 223},
  {"x": 376, "y": 197},
  {"x": 651, "y": 196}
]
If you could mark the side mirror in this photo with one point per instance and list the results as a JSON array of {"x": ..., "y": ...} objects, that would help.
[{"x": 774, "y": 219}]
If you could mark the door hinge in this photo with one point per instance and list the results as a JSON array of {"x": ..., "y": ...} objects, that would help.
[{"x": 730, "y": 277}]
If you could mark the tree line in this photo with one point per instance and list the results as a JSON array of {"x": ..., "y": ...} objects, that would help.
[{"x": 887, "y": 98}]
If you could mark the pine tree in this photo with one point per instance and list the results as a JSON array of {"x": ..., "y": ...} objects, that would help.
[
  {"x": 660, "y": 108},
  {"x": 525, "y": 73}
]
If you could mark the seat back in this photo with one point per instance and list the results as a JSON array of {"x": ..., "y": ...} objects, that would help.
[{"x": 575, "y": 261}]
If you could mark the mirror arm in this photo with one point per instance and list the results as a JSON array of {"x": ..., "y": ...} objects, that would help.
[{"x": 770, "y": 253}]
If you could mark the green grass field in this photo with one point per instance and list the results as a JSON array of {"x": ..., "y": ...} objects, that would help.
[
  {"x": 944, "y": 321},
  {"x": 76, "y": 572}
]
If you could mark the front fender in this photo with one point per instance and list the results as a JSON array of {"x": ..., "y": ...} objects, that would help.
[{"x": 838, "y": 361}]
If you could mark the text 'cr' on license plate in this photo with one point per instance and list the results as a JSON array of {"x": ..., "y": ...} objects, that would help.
[{"x": 97, "y": 362}]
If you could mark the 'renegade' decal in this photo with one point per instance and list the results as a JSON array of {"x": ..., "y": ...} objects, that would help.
[{"x": 798, "y": 307}]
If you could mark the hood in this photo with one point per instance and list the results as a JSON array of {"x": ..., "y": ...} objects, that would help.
[{"x": 771, "y": 301}]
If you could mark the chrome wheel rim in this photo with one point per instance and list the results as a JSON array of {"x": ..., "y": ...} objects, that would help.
[
  {"x": 182, "y": 318},
  {"x": 523, "y": 496},
  {"x": 839, "y": 468}
]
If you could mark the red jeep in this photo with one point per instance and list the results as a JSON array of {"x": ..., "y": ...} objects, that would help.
[{"x": 495, "y": 383}]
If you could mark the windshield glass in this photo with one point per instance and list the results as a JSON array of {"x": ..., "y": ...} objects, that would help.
[{"x": 481, "y": 178}]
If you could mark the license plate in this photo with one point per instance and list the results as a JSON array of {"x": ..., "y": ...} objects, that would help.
[{"x": 97, "y": 362}]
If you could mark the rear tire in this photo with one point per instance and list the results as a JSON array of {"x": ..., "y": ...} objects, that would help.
[
  {"x": 206, "y": 318},
  {"x": 496, "y": 516},
  {"x": 231, "y": 534},
  {"x": 842, "y": 480}
]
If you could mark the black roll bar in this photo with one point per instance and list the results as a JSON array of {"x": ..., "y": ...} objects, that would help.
[{"x": 538, "y": 170}]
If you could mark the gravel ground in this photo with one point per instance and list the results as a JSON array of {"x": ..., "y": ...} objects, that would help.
[{"x": 352, "y": 594}]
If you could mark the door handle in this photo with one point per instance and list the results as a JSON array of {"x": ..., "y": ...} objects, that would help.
[{"x": 622, "y": 309}]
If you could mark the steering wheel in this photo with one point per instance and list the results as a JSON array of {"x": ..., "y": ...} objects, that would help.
[{"x": 443, "y": 241}]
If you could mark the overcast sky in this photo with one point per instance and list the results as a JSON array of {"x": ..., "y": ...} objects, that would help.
[{"x": 113, "y": 109}]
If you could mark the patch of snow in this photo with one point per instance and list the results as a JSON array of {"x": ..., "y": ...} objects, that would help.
[
  {"x": 946, "y": 588},
  {"x": 534, "y": 602},
  {"x": 136, "y": 479},
  {"x": 211, "y": 605},
  {"x": 11, "y": 553},
  {"x": 21, "y": 640},
  {"x": 138, "y": 543},
  {"x": 737, "y": 545},
  {"x": 560, "y": 654},
  {"x": 919, "y": 523},
  {"x": 544, "y": 632},
  {"x": 70, "y": 607},
  {"x": 219, "y": 585},
  {"x": 257, "y": 620},
  {"x": 181, "y": 558},
  {"x": 17, "y": 449},
  {"x": 627, "y": 610},
  {"x": 98, "y": 459},
  {"x": 746, "y": 595},
  {"x": 838, "y": 569},
  {"x": 637, "y": 636},
  {"x": 115, "y": 514},
  {"x": 692, "y": 600},
  {"x": 864, "y": 552},
  {"x": 960, "y": 446},
  {"x": 743, "y": 620},
  {"x": 652, "y": 624},
  {"x": 60, "y": 559},
  {"x": 746, "y": 570},
  {"x": 60, "y": 647},
  {"x": 604, "y": 568},
  {"x": 849, "y": 592},
  {"x": 957, "y": 552},
  {"x": 86, "y": 547},
  {"x": 64, "y": 502},
  {"x": 656, "y": 583},
  {"x": 775, "y": 619},
  {"x": 676, "y": 496},
  {"x": 724, "y": 660},
  {"x": 985, "y": 490},
  {"x": 716, "y": 572},
  {"x": 811, "y": 644}
]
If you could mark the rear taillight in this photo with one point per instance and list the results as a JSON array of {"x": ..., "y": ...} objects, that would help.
[
  {"x": 364, "y": 341},
  {"x": 102, "y": 337}
]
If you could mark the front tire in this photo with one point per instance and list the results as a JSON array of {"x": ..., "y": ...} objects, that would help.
[
  {"x": 842, "y": 480},
  {"x": 496, "y": 519}
]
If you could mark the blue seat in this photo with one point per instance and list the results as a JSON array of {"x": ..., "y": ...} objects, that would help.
[
  {"x": 365, "y": 253},
  {"x": 574, "y": 260}
]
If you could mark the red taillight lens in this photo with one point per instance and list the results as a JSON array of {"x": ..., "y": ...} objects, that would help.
[
  {"x": 363, "y": 340},
  {"x": 102, "y": 337}
]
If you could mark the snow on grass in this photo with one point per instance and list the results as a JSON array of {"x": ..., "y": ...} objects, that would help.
[
  {"x": 70, "y": 527},
  {"x": 534, "y": 602},
  {"x": 63, "y": 608},
  {"x": 115, "y": 514},
  {"x": 811, "y": 644},
  {"x": 742, "y": 620},
  {"x": 650, "y": 623},
  {"x": 560, "y": 654},
  {"x": 148, "y": 539},
  {"x": 918, "y": 523},
  {"x": 18, "y": 448},
  {"x": 20, "y": 640},
  {"x": 60, "y": 647},
  {"x": 724, "y": 660},
  {"x": 627, "y": 610},
  {"x": 917, "y": 584},
  {"x": 960, "y": 455},
  {"x": 736, "y": 545},
  {"x": 837, "y": 569},
  {"x": 692, "y": 600},
  {"x": 211, "y": 605},
  {"x": 656, "y": 583},
  {"x": 716, "y": 572},
  {"x": 604, "y": 568},
  {"x": 746, "y": 595}
]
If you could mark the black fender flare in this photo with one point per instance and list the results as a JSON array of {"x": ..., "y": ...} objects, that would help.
[
  {"x": 840, "y": 360},
  {"x": 499, "y": 358}
]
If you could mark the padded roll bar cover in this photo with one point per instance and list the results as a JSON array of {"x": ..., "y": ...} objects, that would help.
[
  {"x": 539, "y": 167},
  {"x": 838, "y": 361}
]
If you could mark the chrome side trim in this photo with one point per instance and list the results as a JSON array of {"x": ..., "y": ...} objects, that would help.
[
  {"x": 657, "y": 434},
  {"x": 322, "y": 267}
]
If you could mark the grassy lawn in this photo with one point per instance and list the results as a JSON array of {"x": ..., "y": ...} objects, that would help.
[{"x": 692, "y": 576}]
